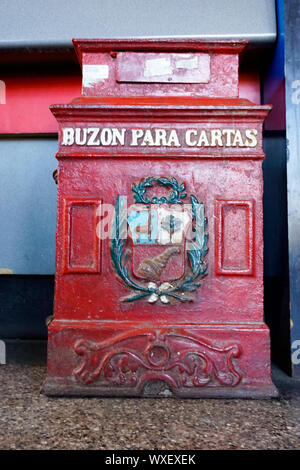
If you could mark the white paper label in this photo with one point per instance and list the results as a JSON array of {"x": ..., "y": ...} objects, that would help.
[
  {"x": 93, "y": 74},
  {"x": 157, "y": 67},
  {"x": 187, "y": 63}
]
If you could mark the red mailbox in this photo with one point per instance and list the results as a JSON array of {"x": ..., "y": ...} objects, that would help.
[{"x": 159, "y": 264}]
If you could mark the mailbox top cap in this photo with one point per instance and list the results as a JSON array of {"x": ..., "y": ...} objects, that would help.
[
  {"x": 159, "y": 67},
  {"x": 223, "y": 46}
]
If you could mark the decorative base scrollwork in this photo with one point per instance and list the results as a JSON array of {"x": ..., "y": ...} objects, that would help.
[{"x": 180, "y": 359}]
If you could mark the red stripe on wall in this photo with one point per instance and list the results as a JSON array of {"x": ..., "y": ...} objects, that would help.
[{"x": 25, "y": 99}]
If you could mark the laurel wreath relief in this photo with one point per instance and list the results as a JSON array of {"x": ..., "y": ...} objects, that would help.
[
  {"x": 178, "y": 192},
  {"x": 195, "y": 266}
]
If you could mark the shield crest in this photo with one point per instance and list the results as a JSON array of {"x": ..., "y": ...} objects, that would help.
[
  {"x": 159, "y": 244},
  {"x": 158, "y": 241}
]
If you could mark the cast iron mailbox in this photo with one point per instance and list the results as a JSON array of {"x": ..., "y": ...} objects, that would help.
[{"x": 159, "y": 268}]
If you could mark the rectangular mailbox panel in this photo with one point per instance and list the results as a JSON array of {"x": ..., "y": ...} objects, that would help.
[
  {"x": 81, "y": 244},
  {"x": 163, "y": 67},
  {"x": 234, "y": 237}
]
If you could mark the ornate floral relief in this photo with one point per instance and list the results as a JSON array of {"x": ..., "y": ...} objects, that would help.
[{"x": 180, "y": 359}]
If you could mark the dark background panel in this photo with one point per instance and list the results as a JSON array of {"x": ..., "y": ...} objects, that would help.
[
  {"x": 276, "y": 285},
  {"x": 25, "y": 303},
  {"x": 292, "y": 94}
]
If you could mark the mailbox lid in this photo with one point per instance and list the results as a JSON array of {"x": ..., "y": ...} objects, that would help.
[{"x": 158, "y": 106}]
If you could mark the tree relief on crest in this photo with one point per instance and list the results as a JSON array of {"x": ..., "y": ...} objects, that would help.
[{"x": 164, "y": 240}]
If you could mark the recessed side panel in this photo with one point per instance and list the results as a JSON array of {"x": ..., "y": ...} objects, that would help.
[
  {"x": 81, "y": 243},
  {"x": 234, "y": 237}
]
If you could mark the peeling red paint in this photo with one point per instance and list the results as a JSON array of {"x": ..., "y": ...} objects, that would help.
[{"x": 213, "y": 343}]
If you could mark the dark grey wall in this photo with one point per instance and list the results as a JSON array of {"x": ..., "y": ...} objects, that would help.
[
  {"x": 28, "y": 204},
  {"x": 53, "y": 23},
  {"x": 292, "y": 95},
  {"x": 25, "y": 303}
]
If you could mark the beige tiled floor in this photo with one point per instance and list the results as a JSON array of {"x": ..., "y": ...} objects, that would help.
[{"x": 29, "y": 420}]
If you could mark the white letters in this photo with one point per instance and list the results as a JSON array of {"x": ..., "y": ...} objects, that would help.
[
  {"x": 154, "y": 138},
  {"x": 109, "y": 137},
  {"x": 237, "y": 140},
  {"x": 161, "y": 137},
  {"x": 173, "y": 139},
  {"x": 296, "y": 352},
  {"x": 296, "y": 93},
  {"x": 203, "y": 140},
  {"x": 251, "y": 135},
  {"x": 106, "y": 136},
  {"x": 228, "y": 134},
  {"x": 216, "y": 138},
  {"x": 92, "y": 139},
  {"x": 68, "y": 136},
  {"x": 80, "y": 139},
  {"x": 136, "y": 134},
  {"x": 188, "y": 135},
  {"x": 148, "y": 139},
  {"x": 118, "y": 136}
]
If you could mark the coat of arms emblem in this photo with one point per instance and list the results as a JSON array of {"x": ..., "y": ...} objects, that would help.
[{"x": 163, "y": 239}]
